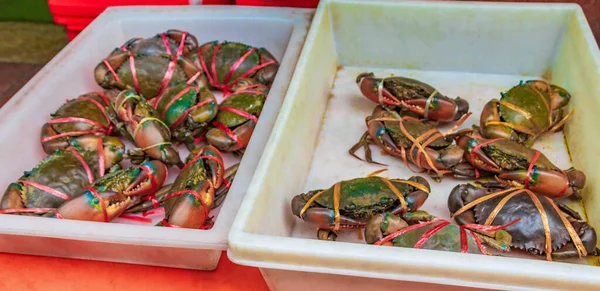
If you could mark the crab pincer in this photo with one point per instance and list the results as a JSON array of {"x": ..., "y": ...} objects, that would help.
[
  {"x": 140, "y": 123},
  {"x": 192, "y": 194},
  {"x": 109, "y": 197}
]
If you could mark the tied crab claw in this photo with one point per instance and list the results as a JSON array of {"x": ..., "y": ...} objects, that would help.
[
  {"x": 141, "y": 123},
  {"x": 109, "y": 196},
  {"x": 192, "y": 194},
  {"x": 412, "y": 95},
  {"x": 93, "y": 206}
]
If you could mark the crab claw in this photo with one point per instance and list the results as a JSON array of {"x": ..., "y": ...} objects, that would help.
[
  {"x": 102, "y": 73},
  {"x": 215, "y": 165},
  {"x": 90, "y": 208},
  {"x": 439, "y": 108},
  {"x": 460, "y": 196},
  {"x": 381, "y": 225},
  {"x": 12, "y": 197},
  {"x": 550, "y": 183},
  {"x": 369, "y": 87},
  {"x": 238, "y": 141},
  {"x": 112, "y": 146},
  {"x": 150, "y": 178},
  {"x": 479, "y": 159},
  {"x": 186, "y": 211},
  {"x": 190, "y": 43}
]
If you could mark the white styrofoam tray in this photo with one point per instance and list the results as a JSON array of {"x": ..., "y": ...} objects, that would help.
[
  {"x": 467, "y": 49},
  {"x": 281, "y": 30}
]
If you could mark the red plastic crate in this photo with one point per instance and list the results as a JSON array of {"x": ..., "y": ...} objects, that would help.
[
  {"x": 280, "y": 3},
  {"x": 86, "y": 8},
  {"x": 75, "y": 15}
]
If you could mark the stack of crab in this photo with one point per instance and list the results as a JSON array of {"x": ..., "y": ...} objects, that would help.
[
  {"x": 157, "y": 94},
  {"x": 513, "y": 202}
]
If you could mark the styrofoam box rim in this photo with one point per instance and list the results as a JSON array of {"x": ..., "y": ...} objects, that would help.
[
  {"x": 447, "y": 268},
  {"x": 213, "y": 239}
]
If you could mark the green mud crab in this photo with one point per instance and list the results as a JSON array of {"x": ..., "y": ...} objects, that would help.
[
  {"x": 192, "y": 194},
  {"x": 413, "y": 95},
  {"x": 58, "y": 178},
  {"x": 227, "y": 63},
  {"x": 436, "y": 234},
  {"x": 187, "y": 110},
  {"x": 147, "y": 75},
  {"x": 109, "y": 196},
  {"x": 547, "y": 228},
  {"x": 87, "y": 114},
  {"x": 139, "y": 122},
  {"x": 171, "y": 42},
  {"x": 238, "y": 114},
  {"x": 525, "y": 112},
  {"x": 413, "y": 141},
  {"x": 517, "y": 165},
  {"x": 348, "y": 205}
]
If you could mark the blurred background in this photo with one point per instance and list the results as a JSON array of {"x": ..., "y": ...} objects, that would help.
[{"x": 33, "y": 31}]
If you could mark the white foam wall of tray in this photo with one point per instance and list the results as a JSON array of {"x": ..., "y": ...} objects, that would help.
[
  {"x": 467, "y": 49},
  {"x": 281, "y": 30}
]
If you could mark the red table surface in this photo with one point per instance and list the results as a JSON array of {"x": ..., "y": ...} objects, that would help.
[{"x": 24, "y": 273}]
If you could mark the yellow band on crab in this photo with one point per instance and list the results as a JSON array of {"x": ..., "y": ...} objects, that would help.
[
  {"x": 479, "y": 200},
  {"x": 147, "y": 119},
  {"x": 127, "y": 97},
  {"x": 572, "y": 233},
  {"x": 516, "y": 108},
  {"x": 428, "y": 102},
  {"x": 561, "y": 122},
  {"x": 376, "y": 172},
  {"x": 510, "y": 125},
  {"x": 308, "y": 203},
  {"x": 414, "y": 184},
  {"x": 499, "y": 206},
  {"x": 397, "y": 192},
  {"x": 336, "y": 205},
  {"x": 545, "y": 223},
  {"x": 155, "y": 145}
]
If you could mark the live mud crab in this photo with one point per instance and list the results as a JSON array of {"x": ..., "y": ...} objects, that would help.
[
  {"x": 147, "y": 74},
  {"x": 525, "y": 112},
  {"x": 520, "y": 166},
  {"x": 87, "y": 114},
  {"x": 227, "y": 63},
  {"x": 547, "y": 228},
  {"x": 436, "y": 234},
  {"x": 139, "y": 122},
  {"x": 192, "y": 194},
  {"x": 348, "y": 205},
  {"x": 413, "y": 95},
  {"x": 232, "y": 127},
  {"x": 58, "y": 178},
  {"x": 413, "y": 141},
  {"x": 112, "y": 194},
  {"x": 187, "y": 110}
]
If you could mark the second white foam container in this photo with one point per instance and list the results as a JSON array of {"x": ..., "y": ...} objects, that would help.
[
  {"x": 467, "y": 49},
  {"x": 280, "y": 30}
]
